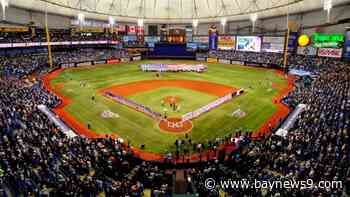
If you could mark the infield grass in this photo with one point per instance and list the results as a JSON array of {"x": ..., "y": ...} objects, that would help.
[
  {"x": 140, "y": 129},
  {"x": 190, "y": 100}
]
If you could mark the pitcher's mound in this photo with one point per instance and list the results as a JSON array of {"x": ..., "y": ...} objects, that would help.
[
  {"x": 172, "y": 99},
  {"x": 175, "y": 125}
]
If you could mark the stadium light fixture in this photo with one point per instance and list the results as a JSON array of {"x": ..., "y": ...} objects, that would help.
[
  {"x": 223, "y": 23},
  {"x": 4, "y": 5},
  {"x": 328, "y": 5},
  {"x": 140, "y": 22},
  {"x": 111, "y": 21},
  {"x": 253, "y": 18},
  {"x": 81, "y": 19}
]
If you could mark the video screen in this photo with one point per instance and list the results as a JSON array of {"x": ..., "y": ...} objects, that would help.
[
  {"x": 248, "y": 43},
  {"x": 272, "y": 44}
]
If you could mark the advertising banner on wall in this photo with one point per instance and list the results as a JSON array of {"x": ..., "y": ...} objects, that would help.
[
  {"x": 330, "y": 52},
  {"x": 113, "y": 61},
  {"x": 248, "y": 43},
  {"x": 226, "y": 42},
  {"x": 212, "y": 60},
  {"x": 347, "y": 44},
  {"x": 308, "y": 51},
  {"x": 272, "y": 44}
]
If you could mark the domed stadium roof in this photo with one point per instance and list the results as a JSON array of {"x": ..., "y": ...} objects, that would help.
[{"x": 172, "y": 11}]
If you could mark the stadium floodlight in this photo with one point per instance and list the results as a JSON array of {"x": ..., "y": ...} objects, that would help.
[
  {"x": 81, "y": 18},
  {"x": 111, "y": 21},
  {"x": 195, "y": 23},
  {"x": 253, "y": 18},
  {"x": 140, "y": 22},
  {"x": 4, "y": 5},
  {"x": 328, "y": 5},
  {"x": 223, "y": 23}
]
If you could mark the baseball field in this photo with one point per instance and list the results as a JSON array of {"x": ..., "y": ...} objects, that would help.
[{"x": 85, "y": 104}]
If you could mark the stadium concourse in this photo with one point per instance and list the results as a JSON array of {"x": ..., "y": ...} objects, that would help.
[{"x": 302, "y": 149}]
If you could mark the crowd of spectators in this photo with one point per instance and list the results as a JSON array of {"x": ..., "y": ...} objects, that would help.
[
  {"x": 249, "y": 57},
  {"x": 55, "y": 36},
  {"x": 316, "y": 148},
  {"x": 37, "y": 159},
  {"x": 300, "y": 62},
  {"x": 22, "y": 65}
]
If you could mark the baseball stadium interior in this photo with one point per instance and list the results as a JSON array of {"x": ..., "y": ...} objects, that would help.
[{"x": 174, "y": 98}]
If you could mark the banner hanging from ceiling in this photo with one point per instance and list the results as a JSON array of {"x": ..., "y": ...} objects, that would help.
[
  {"x": 347, "y": 44},
  {"x": 213, "y": 38}
]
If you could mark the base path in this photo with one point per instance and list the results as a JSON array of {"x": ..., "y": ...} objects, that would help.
[
  {"x": 142, "y": 86},
  {"x": 175, "y": 125}
]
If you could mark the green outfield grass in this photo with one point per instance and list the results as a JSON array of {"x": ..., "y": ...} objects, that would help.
[
  {"x": 140, "y": 129},
  {"x": 190, "y": 100}
]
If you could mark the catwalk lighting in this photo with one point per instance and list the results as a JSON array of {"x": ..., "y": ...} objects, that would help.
[
  {"x": 4, "y": 5},
  {"x": 253, "y": 18},
  {"x": 140, "y": 22},
  {"x": 111, "y": 21},
  {"x": 195, "y": 23}
]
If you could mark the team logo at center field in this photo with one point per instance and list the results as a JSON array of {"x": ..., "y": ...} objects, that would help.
[{"x": 119, "y": 94}]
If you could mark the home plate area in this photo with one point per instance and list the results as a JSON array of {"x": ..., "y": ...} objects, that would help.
[{"x": 181, "y": 124}]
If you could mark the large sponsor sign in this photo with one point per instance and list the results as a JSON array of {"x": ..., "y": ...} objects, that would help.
[
  {"x": 224, "y": 61},
  {"x": 272, "y": 44},
  {"x": 248, "y": 43},
  {"x": 113, "y": 61},
  {"x": 309, "y": 51},
  {"x": 226, "y": 42},
  {"x": 329, "y": 52},
  {"x": 327, "y": 40},
  {"x": 212, "y": 60}
]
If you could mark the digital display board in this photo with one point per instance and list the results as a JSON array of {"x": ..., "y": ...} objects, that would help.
[
  {"x": 192, "y": 46},
  {"x": 248, "y": 43},
  {"x": 272, "y": 44},
  {"x": 226, "y": 42}
]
